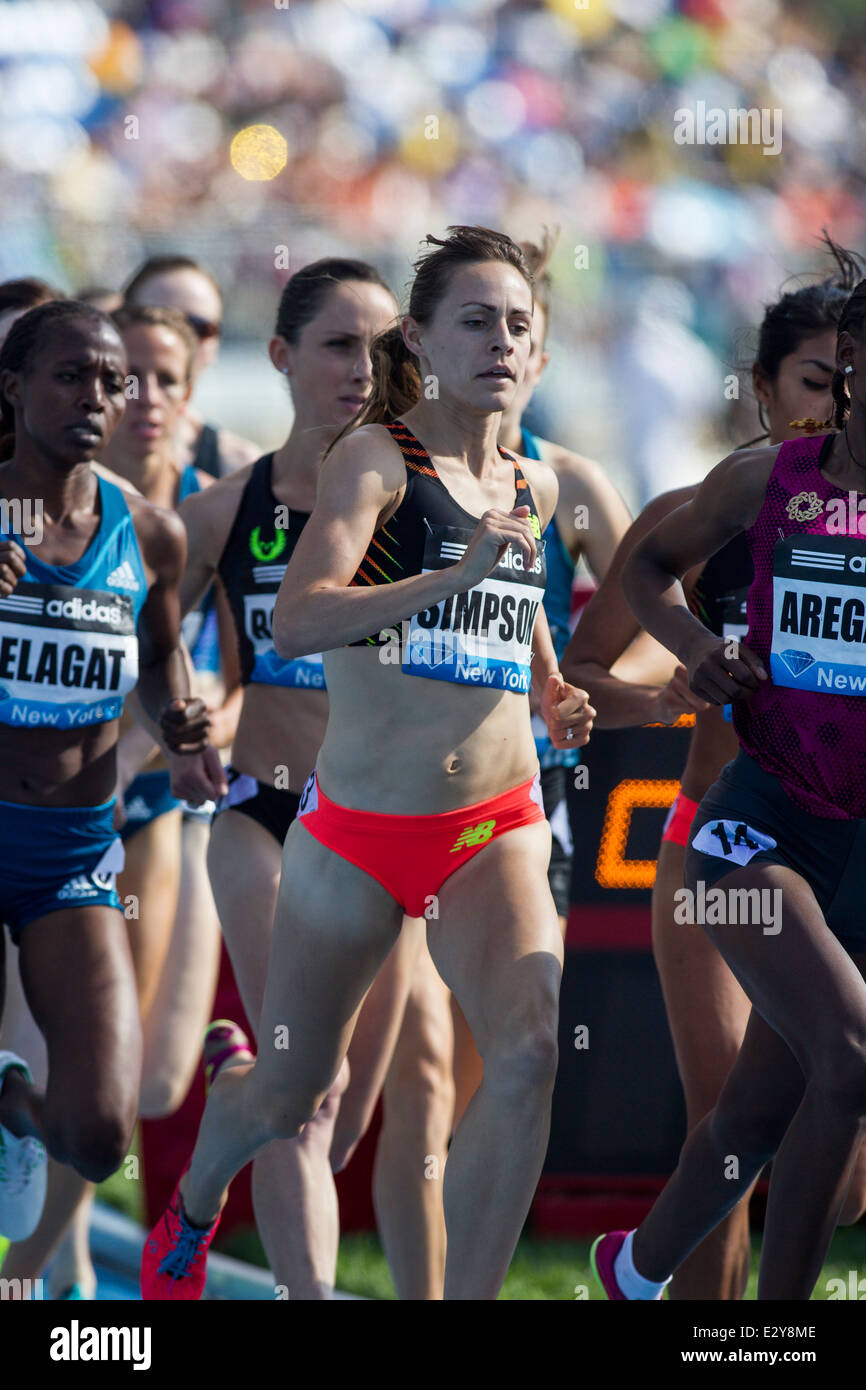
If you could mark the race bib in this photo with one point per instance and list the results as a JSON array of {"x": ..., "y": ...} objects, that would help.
[
  {"x": 268, "y": 668},
  {"x": 731, "y": 840},
  {"x": 819, "y": 614},
  {"x": 68, "y": 655},
  {"x": 482, "y": 636},
  {"x": 309, "y": 799}
]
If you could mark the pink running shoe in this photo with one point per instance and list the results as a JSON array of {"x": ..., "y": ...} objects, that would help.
[
  {"x": 222, "y": 1040},
  {"x": 174, "y": 1258},
  {"x": 602, "y": 1255}
]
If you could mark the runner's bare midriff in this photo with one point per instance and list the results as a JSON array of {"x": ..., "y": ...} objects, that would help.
[
  {"x": 58, "y": 767},
  {"x": 408, "y": 745},
  {"x": 280, "y": 728}
]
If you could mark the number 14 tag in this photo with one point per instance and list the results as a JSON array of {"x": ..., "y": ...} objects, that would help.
[{"x": 731, "y": 840}]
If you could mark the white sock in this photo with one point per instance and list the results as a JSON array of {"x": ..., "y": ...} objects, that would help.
[{"x": 633, "y": 1284}]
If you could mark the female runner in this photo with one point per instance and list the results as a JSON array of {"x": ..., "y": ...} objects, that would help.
[
  {"x": 425, "y": 793},
  {"x": 176, "y": 940},
  {"x": 584, "y": 491},
  {"x": 179, "y": 282},
  {"x": 244, "y": 530},
  {"x": 781, "y": 835},
  {"x": 86, "y": 608},
  {"x": 707, "y": 1009},
  {"x": 171, "y": 919}
]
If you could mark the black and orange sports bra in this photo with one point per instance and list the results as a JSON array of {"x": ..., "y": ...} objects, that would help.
[{"x": 481, "y": 636}]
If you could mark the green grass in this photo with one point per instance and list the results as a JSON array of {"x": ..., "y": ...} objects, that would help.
[{"x": 541, "y": 1269}]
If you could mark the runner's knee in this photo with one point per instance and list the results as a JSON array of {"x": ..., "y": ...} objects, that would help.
[
  {"x": 420, "y": 1087},
  {"x": 523, "y": 1053},
  {"x": 702, "y": 1094},
  {"x": 840, "y": 1078},
  {"x": 95, "y": 1145},
  {"x": 853, "y": 1207},
  {"x": 749, "y": 1131},
  {"x": 286, "y": 1113},
  {"x": 162, "y": 1095}
]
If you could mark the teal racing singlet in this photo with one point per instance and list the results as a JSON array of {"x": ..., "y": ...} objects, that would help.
[{"x": 68, "y": 633}]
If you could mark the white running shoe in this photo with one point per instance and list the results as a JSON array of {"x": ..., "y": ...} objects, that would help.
[{"x": 22, "y": 1172}]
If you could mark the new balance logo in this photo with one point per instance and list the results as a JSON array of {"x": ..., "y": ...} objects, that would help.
[
  {"x": 123, "y": 577},
  {"x": 473, "y": 835}
]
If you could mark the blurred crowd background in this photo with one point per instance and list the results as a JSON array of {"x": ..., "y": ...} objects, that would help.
[{"x": 123, "y": 135}]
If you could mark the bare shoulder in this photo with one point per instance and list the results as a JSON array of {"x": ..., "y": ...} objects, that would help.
[
  {"x": 110, "y": 477},
  {"x": 579, "y": 476},
  {"x": 585, "y": 483},
  {"x": 664, "y": 504},
  {"x": 569, "y": 464},
  {"x": 209, "y": 513},
  {"x": 737, "y": 486},
  {"x": 368, "y": 451},
  {"x": 160, "y": 532},
  {"x": 235, "y": 451}
]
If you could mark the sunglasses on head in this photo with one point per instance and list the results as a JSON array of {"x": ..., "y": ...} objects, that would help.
[{"x": 203, "y": 328}]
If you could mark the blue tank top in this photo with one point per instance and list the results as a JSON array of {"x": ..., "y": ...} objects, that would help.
[
  {"x": 557, "y": 606},
  {"x": 68, "y": 633},
  {"x": 560, "y": 568},
  {"x": 200, "y": 629}
]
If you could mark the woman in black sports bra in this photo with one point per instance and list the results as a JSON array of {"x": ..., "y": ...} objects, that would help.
[
  {"x": 242, "y": 533},
  {"x": 420, "y": 575}
]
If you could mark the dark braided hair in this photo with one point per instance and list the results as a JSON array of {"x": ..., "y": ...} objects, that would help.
[
  {"x": 24, "y": 340},
  {"x": 803, "y": 313},
  {"x": 852, "y": 320}
]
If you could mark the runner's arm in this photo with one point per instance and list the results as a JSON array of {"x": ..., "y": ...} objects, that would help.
[
  {"x": 727, "y": 502},
  {"x": 626, "y": 672},
  {"x": 592, "y": 516},
  {"x": 163, "y": 683}
]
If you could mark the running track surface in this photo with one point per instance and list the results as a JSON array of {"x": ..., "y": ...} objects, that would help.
[{"x": 116, "y": 1244}]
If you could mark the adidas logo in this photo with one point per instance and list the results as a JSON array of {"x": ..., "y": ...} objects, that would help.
[
  {"x": 137, "y": 809},
  {"x": 123, "y": 577},
  {"x": 78, "y": 887}
]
